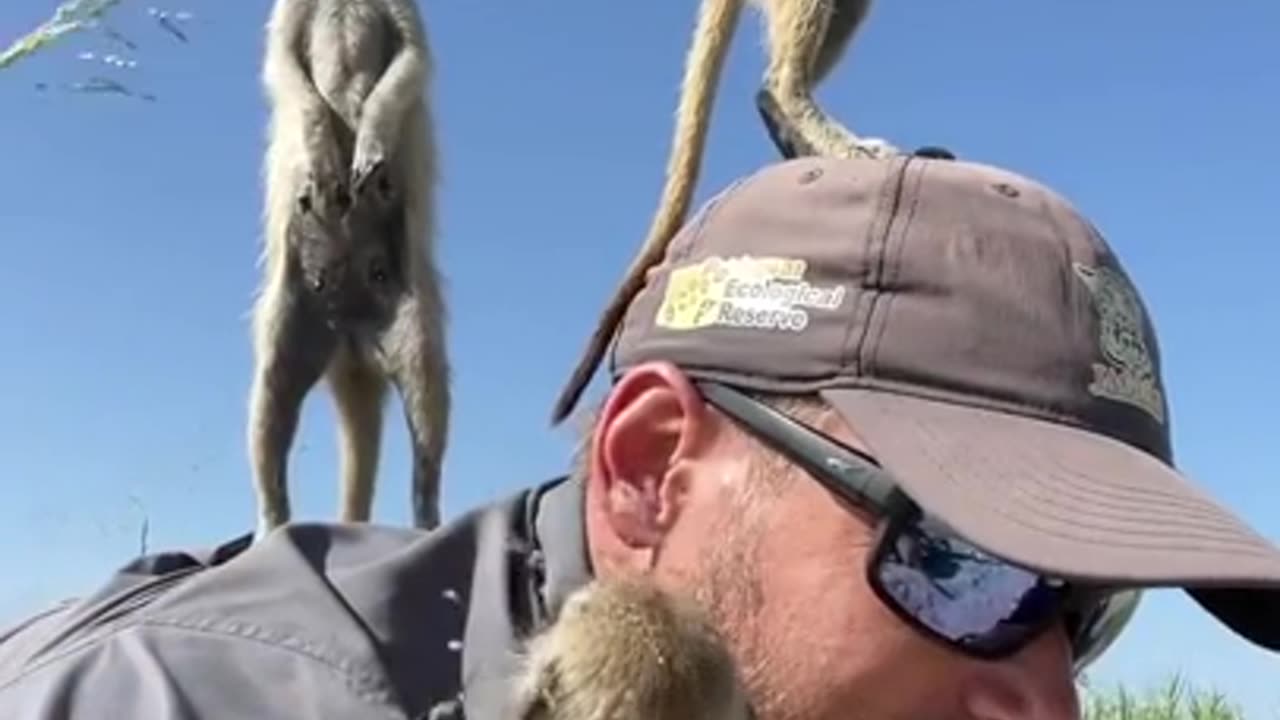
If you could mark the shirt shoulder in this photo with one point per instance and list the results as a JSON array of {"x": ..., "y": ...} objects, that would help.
[{"x": 316, "y": 621}]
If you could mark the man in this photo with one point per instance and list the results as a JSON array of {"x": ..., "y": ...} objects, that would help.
[{"x": 845, "y": 378}]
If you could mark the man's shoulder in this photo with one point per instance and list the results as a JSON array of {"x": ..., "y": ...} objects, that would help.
[{"x": 316, "y": 620}]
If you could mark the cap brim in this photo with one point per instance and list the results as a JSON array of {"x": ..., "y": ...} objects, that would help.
[{"x": 1072, "y": 503}]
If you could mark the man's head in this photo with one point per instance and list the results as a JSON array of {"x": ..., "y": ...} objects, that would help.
[{"x": 971, "y": 377}]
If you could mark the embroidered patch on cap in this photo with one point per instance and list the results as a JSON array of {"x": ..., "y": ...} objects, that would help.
[
  {"x": 1128, "y": 374},
  {"x": 761, "y": 293}
]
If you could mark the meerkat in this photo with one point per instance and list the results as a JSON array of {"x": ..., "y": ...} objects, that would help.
[
  {"x": 804, "y": 39},
  {"x": 626, "y": 650},
  {"x": 350, "y": 289}
]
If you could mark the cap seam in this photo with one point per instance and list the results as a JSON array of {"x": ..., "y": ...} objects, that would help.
[
  {"x": 881, "y": 320},
  {"x": 875, "y": 241}
]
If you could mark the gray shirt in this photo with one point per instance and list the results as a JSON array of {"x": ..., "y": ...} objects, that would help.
[{"x": 316, "y": 621}]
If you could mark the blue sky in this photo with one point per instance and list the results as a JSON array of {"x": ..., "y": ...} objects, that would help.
[{"x": 131, "y": 232}]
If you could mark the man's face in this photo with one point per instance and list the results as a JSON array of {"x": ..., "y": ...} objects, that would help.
[{"x": 679, "y": 492}]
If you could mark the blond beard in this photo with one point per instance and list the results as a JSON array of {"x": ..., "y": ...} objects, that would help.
[{"x": 728, "y": 585}]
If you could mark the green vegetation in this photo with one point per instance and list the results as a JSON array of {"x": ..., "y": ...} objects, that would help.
[
  {"x": 1175, "y": 699},
  {"x": 68, "y": 17}
]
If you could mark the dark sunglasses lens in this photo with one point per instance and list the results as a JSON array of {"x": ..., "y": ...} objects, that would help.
[
  {"x": 1096, "y": 623},
  {"x": 963, "y": 594}
]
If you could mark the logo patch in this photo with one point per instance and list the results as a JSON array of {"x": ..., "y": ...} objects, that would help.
[
  {"x": 764, "y": 293},
  {"x": 1128, "y": 374}
]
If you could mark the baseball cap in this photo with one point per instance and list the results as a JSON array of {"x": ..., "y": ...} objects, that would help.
[{"x": 987, "y": 344}]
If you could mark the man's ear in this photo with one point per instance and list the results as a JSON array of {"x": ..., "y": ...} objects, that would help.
[{"x": 652, "y": 426}]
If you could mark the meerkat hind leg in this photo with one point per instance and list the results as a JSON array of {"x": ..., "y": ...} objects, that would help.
[
  {"x": 805, "y": 39},
  {"x": 292, "y": 350},
  {"x": 420, "y": 371},
  {"x": 358, "y": 393}
]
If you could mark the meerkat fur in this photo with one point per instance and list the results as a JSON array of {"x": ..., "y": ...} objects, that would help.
[
  {"x": 350, "y": 138},
  {"x": 804, "y": 40},
  {"x": 626, "y": 650}
]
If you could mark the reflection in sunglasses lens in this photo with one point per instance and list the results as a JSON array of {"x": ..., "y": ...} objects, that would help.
[{"x": 960, "y": 592}]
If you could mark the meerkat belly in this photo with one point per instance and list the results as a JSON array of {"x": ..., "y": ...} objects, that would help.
[{"x": 351, "y": 45}]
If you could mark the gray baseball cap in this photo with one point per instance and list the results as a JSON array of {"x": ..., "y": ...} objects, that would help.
[{"x": 983, "y": 339}]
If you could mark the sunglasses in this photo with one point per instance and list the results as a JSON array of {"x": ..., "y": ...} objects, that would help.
[{"x": 943, "y": 586}]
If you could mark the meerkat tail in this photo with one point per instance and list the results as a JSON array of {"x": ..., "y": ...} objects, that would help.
[{"x": 717, "y": 21}]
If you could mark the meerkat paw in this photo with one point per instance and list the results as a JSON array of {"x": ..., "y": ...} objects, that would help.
[
  {"x": 373, "y": 177},
  {"x": 874, "y": 147},
  {"x": 369, "y": 169}
]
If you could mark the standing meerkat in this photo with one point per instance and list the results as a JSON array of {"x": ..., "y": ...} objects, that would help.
[
  {"x": 804, "y": 39},
  {"x": 350, "y": 287},
  {"x": 626, "y": 650}
]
